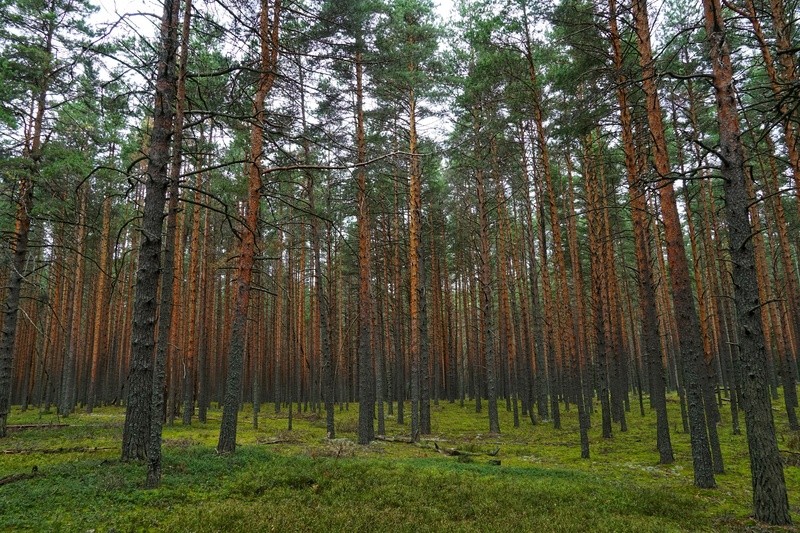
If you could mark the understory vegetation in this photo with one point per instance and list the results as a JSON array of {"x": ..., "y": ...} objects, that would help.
[{"x": 65, "y": 475}]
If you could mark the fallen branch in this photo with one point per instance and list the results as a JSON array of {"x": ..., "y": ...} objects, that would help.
[
  {"x": 17, "y": 427},
  {"x": 454, "y": 452},
  {"x": 404, "y": 440},
  {"x": 16, "y": 477},
  {"x": 59, "y": 450}
]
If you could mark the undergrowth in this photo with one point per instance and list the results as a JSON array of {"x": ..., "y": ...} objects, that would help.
[{"x": 70, "y": 478}]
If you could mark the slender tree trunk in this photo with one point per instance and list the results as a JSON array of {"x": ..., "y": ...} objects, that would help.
[
  {"x": 578, "y": 288},
  {"x": 524, "y": 325},
  {"x": 190, "y": 356},
  {"x": 416, "y": 288},
  {"x": 75, "y": 316},
  {"x": 641, "y": 229},
  {"x": 792, "y": 290},
  {"x": 145, "y": 307},
  {"x": 382, "y": 367},
  {"x": 165, "y": 323},
  {"x": 552, "y": 347},
  {"x": 279, "y": 356},
  {"x": 366, "y": 406},
  {"x": 450, "y": 324},
  {"x": 397, "y": 314},
  {"x": 508, "y": 341},
  {"x": 174, "y": 344},
  {"x": 485, "y": 282},
  {"x": 537, "y": 321},
  {"x": 685, "y": 310},
  {"x": 579, "y": 355},
  {"x": 562, "y": 316},
  {"x": 51, "y": 327},
  {"x": 424, "y": 347},
  {"x": 599, "y": 289},
  {"x": 100, "y": 340},
  {"x": 323, "y": 302},
  {"x": 207, "y": 314},
  {"x": 268, "y": 44},
  {"x": 558, "y": 317}
]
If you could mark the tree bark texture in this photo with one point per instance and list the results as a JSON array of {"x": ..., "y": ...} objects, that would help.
[
  {"x": 685, "y": 311},
  {"x": 268, "y": 44},
  {"x": 145, "y": 306},
  {"x": 769, "y": 487}
]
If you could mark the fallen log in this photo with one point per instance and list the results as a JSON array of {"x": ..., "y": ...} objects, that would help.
[
  {"x": 454, "y": 452},
  {"x": 18, "y": 427},
  {"x": 404, "y": 440},
  {"x": 18, "y": 477},
  {"x": 58, "y": 450}
]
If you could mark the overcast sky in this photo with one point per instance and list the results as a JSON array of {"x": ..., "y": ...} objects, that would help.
[{"x": 110, "y": 9}]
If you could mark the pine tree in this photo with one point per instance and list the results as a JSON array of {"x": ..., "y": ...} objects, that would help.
[
  {"x": 140, "y": 380},
  {"x": 42, "y": 43},
  {"x": 769, "y": 487},
  {"x": 268, "y": 39}
]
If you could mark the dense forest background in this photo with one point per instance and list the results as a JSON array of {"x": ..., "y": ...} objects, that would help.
[{"x": 534, "y": 206}]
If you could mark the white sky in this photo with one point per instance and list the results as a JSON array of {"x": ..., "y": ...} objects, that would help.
[
  {"x": 445, "y": 8},
  {"x": 109, "y": 9}
]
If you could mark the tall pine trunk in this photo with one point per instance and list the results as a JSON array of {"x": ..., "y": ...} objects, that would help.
[
  {"x": 685, "y": 311},
  {"x": 145, "y": 306},
  {"x": 268, "y": 44},
  {"x": 69, "y": 375},
  {"x": 769, "y": 488},
  {"x": 165, "y": 323},
  {"x": 485, "y": 286},
  {"x": 366, "y": 398},
  {"x": 100, "y": 337},
  {"x": 641, "y": 229}
]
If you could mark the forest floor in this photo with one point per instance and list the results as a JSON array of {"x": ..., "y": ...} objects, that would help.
[{"x": 69, "y": 477}]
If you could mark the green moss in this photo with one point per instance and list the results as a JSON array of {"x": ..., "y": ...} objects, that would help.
[{"x": 305, "y": 483}]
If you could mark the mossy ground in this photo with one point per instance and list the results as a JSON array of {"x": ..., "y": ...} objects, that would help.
[{"x": 306, "y": 483}]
